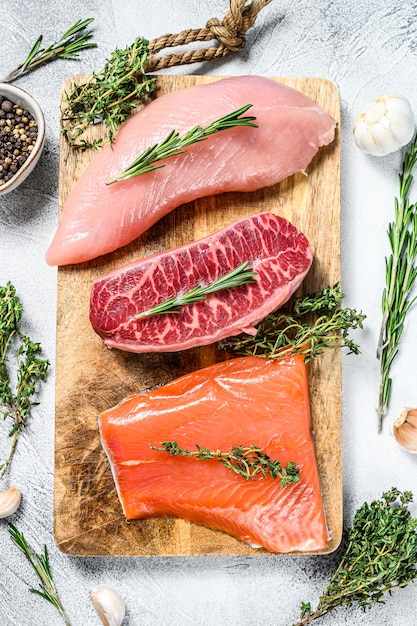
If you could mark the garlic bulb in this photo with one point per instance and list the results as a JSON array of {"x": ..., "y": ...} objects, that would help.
[
  {"x": 384, "y": 126},
  {"x": 109, "y": 605},
  {"x": 405, "y": 430},
  {"x": 9, "y": 501}
]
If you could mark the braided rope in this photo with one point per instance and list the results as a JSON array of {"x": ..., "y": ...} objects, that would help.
[{"x": 229, "y": 33}]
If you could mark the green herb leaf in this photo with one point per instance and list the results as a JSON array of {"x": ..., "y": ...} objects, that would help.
[
  {"x": 307, "y": 326},
  {"x": 379, "y": 556},
  {"x": 68, "y": 46},
  {"x": 174, "y": 145},
  {"x": 41, "y": 567},
  {"x": 16, "y": 400},
  {"x": 401, "y": 273},
  {"x": 247, "y": 461},
  {"x": 241, "y": 275},
  {"x": 109, "y": 96}
]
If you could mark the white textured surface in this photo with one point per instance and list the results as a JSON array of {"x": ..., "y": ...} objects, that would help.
[{"x": 367, "y": 48}]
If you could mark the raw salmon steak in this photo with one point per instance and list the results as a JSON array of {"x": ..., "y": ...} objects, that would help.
[
  {"x": 99, "y": 218},
  {"x": 274, "y": 248},
  {"x": 232, "y": 403}
]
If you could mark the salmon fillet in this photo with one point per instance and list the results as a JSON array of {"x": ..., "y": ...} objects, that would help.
[
  {"x": 276, "y": 250},
  {"x": 235, "y": 402},
  {"x": 99, "y": 218}
]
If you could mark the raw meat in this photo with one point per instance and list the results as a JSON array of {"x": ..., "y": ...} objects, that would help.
[
  {"x": 236, "y": 402},
  {"x": 99, "y": 218},
  {"x": 276, "y": 250}
]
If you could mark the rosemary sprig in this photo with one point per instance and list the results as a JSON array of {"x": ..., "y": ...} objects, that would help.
[
  {"x": 109, "y": 96},
  {"x": 291, "y": 330},
  {"x": 173, "y": 144},
  {"x": 68, "y": 46},
  {"x": 15, "y": 405},
  {"x": 40, "y": 564},
  {"x": 401, "y": 273},
  {"x": 380, "y": 556},
  {"x": 247, "y": 461},
  {"x": 241, "y": 275}
]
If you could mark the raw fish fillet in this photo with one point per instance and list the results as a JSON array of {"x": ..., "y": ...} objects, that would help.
[
  {"x": 236, "y": 402},
  {"x": 99, "y": 218},
  {"x": 275, "y": 249}
]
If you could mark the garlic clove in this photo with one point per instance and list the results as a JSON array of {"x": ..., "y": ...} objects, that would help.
[
  {"x": 109, "y": 605},
  {"x": 384, "y": 126},
  {"x": 9, "y": 501},
  {"x": 405, "y": 430}
]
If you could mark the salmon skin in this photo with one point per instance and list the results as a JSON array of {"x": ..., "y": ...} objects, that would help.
[
  {"x": 99, "y": 218},
  {"x": 275, "y": 249},
  {"x": 235, "y": 402}
]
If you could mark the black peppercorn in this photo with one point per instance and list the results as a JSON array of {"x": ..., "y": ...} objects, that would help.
[{"x": 18, "y": 134}]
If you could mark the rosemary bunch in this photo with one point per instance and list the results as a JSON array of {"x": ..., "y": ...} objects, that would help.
[
  {"x": 109, "y": 96},
  {"x": 173, "y": 144},
  {"x": 401, "y": 273},
  {"x": 247, "y": 461},
  {"x": 16, "y": 404},
  {"x": 40, "y": 564},
  {"x": 307, "y": 326},
  {"x": 380, "y": 556},
  {"x": 68, "y": 46},
  {"x": 241, "y": 275}
]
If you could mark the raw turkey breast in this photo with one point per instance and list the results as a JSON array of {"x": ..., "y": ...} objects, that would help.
[{"x": 99, "y": 218}]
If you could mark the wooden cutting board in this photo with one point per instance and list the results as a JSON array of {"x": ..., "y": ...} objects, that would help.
[{"x": 88, "y": 518}]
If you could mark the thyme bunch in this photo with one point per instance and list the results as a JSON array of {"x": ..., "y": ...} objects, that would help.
[
  {"x": 16, "y": 400},
  {"x": 241, "y": 275},
  {"x": 247, "y": 461},
  {"x": 380, "y": 556},
  {"x": 400, "y": 276},
  {"x": 307, "y": 326},
  {"x": 68, "y": 46},
  {"x": 109, "y": 95},
  {"x": 40, "y": 564},
  {"x": 173, "y": 144}
]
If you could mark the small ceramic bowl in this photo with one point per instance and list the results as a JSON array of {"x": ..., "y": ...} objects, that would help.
[{"x": 25, "y": 101}]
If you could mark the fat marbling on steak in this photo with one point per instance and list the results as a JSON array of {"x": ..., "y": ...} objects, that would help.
[{"x": 275, "y": 249}]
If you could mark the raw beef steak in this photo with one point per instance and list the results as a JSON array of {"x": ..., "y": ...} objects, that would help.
[{"x": 275, "y": 249}]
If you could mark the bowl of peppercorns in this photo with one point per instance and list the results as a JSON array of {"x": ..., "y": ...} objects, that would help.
[{"x": 22, "y": 136}]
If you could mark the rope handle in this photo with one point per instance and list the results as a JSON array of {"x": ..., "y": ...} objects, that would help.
[{"x": 229, "y": 33}]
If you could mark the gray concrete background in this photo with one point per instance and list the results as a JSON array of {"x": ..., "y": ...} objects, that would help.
[{"x": 367, "y": 48}]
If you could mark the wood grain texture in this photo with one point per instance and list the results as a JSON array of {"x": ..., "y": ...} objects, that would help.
[{"x": 88, "y": 518}]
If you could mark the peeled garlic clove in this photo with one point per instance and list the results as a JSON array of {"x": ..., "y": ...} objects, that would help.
[
  {"x": 9, "y": 501},
  {"x": 384, "y": 126},
  {"x": 405, "y": 430},
  {"x": 109, "y": 605}
]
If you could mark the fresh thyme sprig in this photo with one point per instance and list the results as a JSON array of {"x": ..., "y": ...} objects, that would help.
[
  {"x": 15, "y": 405},
  {"x": 68, "y": 46},
  {"x": 380, "y": 556},
  {"x": 291, "y": 331},
  {"x": 401, "y": 273},
  {"x": 110, "y": 95},
  {"x": 247, "y": 461},
  {"x": 241, "y": 275},
  {"x": 40, "y": 564},
  {"x": 173, "y": 144}
]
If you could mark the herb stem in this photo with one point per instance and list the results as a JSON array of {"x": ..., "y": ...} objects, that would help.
[
  {"x": 174, "y": 144},
  {"x": 309, "y": 325},
  {"x": 241, "y": 275},
  {"x": 401, "y": 272},
  {"x": 16, "y": 404},
  {"x": 68, "y": 46},
  {"x": 41, "y": 567},
  {"x": 247, "y": 461},
  {"x": 380, "y": 556}
]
